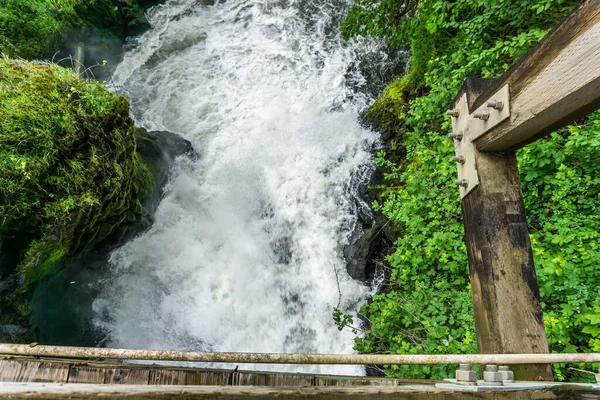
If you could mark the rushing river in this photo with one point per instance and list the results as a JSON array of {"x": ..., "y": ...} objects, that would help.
[{"x": 245, "y": 253}]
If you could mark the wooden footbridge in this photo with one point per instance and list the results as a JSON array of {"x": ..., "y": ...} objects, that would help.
[
  {"x": 52, "y": 372},
  {"x": 556, "y": 83}
]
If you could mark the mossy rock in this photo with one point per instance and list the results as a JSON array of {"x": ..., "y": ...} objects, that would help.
[
  {"x": 70, "y": 176},
  {"x": 386, "y": 115}
]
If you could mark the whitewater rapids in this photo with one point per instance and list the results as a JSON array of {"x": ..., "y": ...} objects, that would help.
[{"x": 245, "y": 253}]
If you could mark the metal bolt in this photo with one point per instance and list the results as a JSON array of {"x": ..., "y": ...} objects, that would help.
[
  {"x": 507, "y": 375},
  {"x": 482, "y": 115},
  {"x": 466, "y": 376},
  {"x": 453, "y": 113},
  {"x": 461, "y": 182},
  {"x": 495, "y": 104},
  {"x": 459, "y": 159},
  {"x": 457, "y": 136},
  {"x": 491, "y": 376}
]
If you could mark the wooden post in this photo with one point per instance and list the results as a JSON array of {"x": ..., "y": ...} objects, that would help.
[
  {"x": 506, "y": 299},
  {"x": 555, "y": 83}
]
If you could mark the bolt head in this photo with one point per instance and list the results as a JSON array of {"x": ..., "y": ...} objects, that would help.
[
  {"x": 491, "y": 368},
  {"x": 453, "y": 113},
  {"x": 466, "y": 376},
  {"x": 495, "y": 104},
  {"x": 456, "y": 136},
  {"x": 482, "y": 115},
  {"x": 507, "y": 374},
  {"x": 461, "y": 182},
  {"x": 492, "y": 378}
]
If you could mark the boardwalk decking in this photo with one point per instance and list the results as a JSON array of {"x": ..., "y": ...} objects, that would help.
[
  {"x": 26, "y": 369},
  {"x": 29, "y": 377}
]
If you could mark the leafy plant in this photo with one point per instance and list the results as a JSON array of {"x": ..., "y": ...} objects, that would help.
[
  {"x": 37, "y": 29},
  {"x": 425, "y": 306}
]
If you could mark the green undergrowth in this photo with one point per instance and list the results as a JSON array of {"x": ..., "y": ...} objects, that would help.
[
  {"x": 425, "y": 305},
  {"x": 37, "y": 29},
  {"x": 69, "y": 173}
]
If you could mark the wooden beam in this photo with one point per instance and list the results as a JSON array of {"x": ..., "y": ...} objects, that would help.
[
  {"x": 287, "y": 358},
  {"x": 410, "y": 392},
  {"x": 506, "y": 300},
  {"x": 554, "y": 84}
]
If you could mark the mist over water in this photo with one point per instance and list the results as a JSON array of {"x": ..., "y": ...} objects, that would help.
[{"x": 245, "y": 253}]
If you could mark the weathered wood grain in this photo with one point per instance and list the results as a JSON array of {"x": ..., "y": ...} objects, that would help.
[
  {"x": 289, "y": 380},
  {"x": 85, "y": 374},
  {"x": 413, "y": 392},
  {"x": 354, "y": 381},
  {"x": 248, "y": 379},
  {"x": 10, "y": 370},
  {"x": 127, "y": 376},
  {"x": 554, "y": 84},
  {"x": 214, "y": 377},
  {"x": 39, "y": 371},
  {"x": 61, "y": 352},
  {"x": 33, "y": 371},
  {"x": 506, "y": 300},
  {"x": 167, "y": 377}
]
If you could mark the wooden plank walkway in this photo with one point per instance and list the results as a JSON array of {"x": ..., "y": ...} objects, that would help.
[
  {"x": 28, "y": 369},
  {"x": 54, "y": 391},
  {"x": 48, "y": 378}
]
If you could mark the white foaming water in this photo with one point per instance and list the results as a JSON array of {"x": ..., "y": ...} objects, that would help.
[{"x": 245, "y": 253}]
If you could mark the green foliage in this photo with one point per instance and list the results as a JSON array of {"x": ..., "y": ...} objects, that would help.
[
  {"x": 61, "y": 140},
  {"x": 36, "y": 29},
  {"x": 561, "y": 176},
  {"x": 426, "y": 305},
  {"x": 32, "y": 28}
]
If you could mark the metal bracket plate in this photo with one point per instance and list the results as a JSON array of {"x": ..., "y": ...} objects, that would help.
[
  {"x": 467, "y": 171},
  {"x": 471, "y": 128}
]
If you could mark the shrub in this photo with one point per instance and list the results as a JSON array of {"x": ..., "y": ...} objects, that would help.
[{"x": 426, "y": 305}]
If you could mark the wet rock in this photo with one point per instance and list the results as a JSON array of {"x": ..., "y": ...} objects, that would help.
[
  {"x": 371, "y": 239},
  {"x": 158, "y": 150},
  {"x": 11, "y": 333},
  {"x": 62, "y": 307}
]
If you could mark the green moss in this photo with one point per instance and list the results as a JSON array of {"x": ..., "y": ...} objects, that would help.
[
  {"x": 70, "y": 175},
  {"x": 388, "y": 111},
  {"x": 37, "y": 29},
  {"x": 43, "y": 260},
  {"x": 31, "y": 28}
]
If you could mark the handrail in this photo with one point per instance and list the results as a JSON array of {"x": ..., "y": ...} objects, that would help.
[{"x": 279, "y": 358}]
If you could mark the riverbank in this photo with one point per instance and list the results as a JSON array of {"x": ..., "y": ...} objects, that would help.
[
  {"x": 425, "y": 306},
  {"x": 78, "y": 177}
]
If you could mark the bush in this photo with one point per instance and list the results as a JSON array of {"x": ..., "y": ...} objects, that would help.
[
  {"x": 32, "y": 29},
  {"x": 426, "y": 307},
  {"x": 37, "y": 29}
]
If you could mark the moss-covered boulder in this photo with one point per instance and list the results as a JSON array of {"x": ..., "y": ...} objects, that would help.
[
  {"x": 70, "y": 176},
  {"x": 386, "y": 114}
]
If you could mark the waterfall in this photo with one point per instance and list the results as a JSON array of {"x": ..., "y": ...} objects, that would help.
[{"x": 245, "y": 253}]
